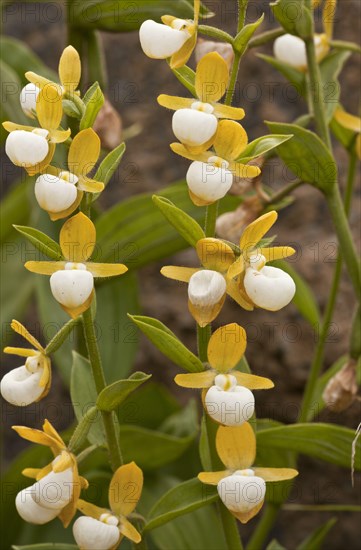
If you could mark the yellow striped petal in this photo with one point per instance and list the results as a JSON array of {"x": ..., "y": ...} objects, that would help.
[
  {"x": 182, "y": 151},
  {"x": 181, "y": 57},
  {"x": 257, "y": 229},
  {"x": 126, "y": 476},
  {"x": 226, "y": 111},
  {"x": 212, "y": 478},
  {"x": 35, "y": 436},
  {"x": 70, "y": 69},
  {"x": 252, "y": 382},
  {"x": 196, "y": 380},
  {"x": 44, "y": 268},
  {"x": 197, "y": 200},
  {"x": 244, "y": 517},
  {"x": 49, "y": 108},
  {"x": 77, "y": 238},
  {"x": 236, "y": 446},
  {"x": 214, "y": 254},
  {"x": 20, "y": 329},
  {"x": 182, "y": 274},
  {"x": 276, "y": 252},
  {"x": 197, "y": 7},
  {"x": 275, "y": 474},
  {"x": 21, "y": 352},
  {"x": 106, "y": 270},
  {"x": 346, "y": 120},
  {"x": 226, "y": 347},
  {"x": 236, "y": 292},
  {"x": 84, "y": 152},
  {"x": 174, "y": 102},
  {"x": 89, "y": 185},
  {"x": 231, "y": 139},
  {"x": 212, "y": 76},
  {"x": 129, "y": 531}
]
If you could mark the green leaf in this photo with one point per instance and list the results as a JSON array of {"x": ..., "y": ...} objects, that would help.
[
  {"x": 70, "y": 109},
  {"x": 182, "y": 499},
  {"x": 109, "y": 165},
  {"x": 306, "y": 155},
  {"x": 187, "y": 77},
  {"x": 10, "y": 90},
  {"x": 296, "y": 77},
  {"x": 94, "y": 100},
  {"x": 15, "y": 205},
  {"x": 304, "y": 298},
  {"x": 330, "y": 68},
  {"x": 167, "y": 342},
  {"x": 326, "y": 442},
  {"x": 295, "y": 17},
  {"x": 186, "y": 226},
  {"x": 275, "y": 545},
  {"x": 262, "y": 145},
  {"x": 112, "y": 396},
  {"x": 240, "y": 43},
  {"x": 42, "y": 242},
  {"x": 316, "y": 539},
  {"x": 84, "y": 396}
]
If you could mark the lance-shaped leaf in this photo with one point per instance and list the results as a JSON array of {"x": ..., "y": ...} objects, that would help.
[
  {"x": 112, "y": 396},
  {"x": 186, "y": 226},
  {"x": 262, "y": 145},
  {"x": 42, "y": 242},
  {"x": 242, "y": 39},
  {"x": 94, "y": 100}
]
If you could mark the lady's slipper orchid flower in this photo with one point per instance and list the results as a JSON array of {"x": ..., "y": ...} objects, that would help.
[
  {"x": 69, "y": 73},
  {"x": 227, "y": 396},
  {"x": 58, "y": 485},
  {"x": 242, "y": 487},
  {"x": 72, "y": 280},
  {"x": 103, "y": 529},
  {"x": 291, "y": 49},
  {"x": 28, "y": 97},
  {"x": 210, "y": 176},
  {"x": 59, "y": 192},
  {"x": 175, "y": 38},
  {"x": 33, "y": 148},
  {"x": 195, "y": 121},
  {"x": 352, "y": 123},
  {"x": 30, "y": 382}
]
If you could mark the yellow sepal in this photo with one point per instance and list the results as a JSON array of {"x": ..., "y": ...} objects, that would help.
[
  {"x": 197, "y": 200},
  {"x": 45, "y": 380},
  {"x": 128, "y": 475},
  {"x": 226, "y": 111},
  {"x": 12, "y": 126},
  {"x": 244, "y": 170},
  {"x": 77, "y": 238},
  {"x": 212, "y": 478},
  {"x": 31, "y": 472},
  {"x": 182, "y": 151},
  {"x": 129, "y": 531},
  {"x": 59, "y": 136},
  {"x": 205, "y": 314},
  {"x": 44, "y": 268},
  {"x": 22, "y": 352},
  {"x": 212, "y": 76},
  {"x": 348, "y": 121},
  {"x": 106, "y": 270},
  {"x": 40, "y": 81},
  {"x": 226, "y": 347},
  {"x": 49, "y": 108},
  {"x": 89, "y": 185},
  {"x": 181, "y": 57},
  {"x": 36, "y": 436},
  {"x": 245, "y": 517},
  {"x": 63, "y": 463},
  {"x": 174, "y": 102},
  {"x": 75, "y": 312},
  {"x": 276, "y": 252},
  {"x": 182, "y": 274},
  {"x": 196, "y": 380},
  {"x": 231, "y": 139},
  {"x": 237, "y": 293},
  {"x": 236, "y": 268},
  {"x": 275, "y": 474},
  {"x": 214, "y": 254},
  {"x": 70, "y": 69},
  {"x": 91, "y": 510},
  {"x": 328, "y": 17},
  {"x": 20, "y": 329},
  {"x": 252, "y": 382},
  {"x": 49, "y": 429},
  {"x": 256, "y": 230},
  {"x": 84, "y": 152},
  {"x": 236, "y": 446}
]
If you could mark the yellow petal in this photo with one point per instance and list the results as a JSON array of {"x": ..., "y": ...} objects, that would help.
[
  {"x": 348, "y": 121},
  {"x": 236, "y": 446},
  {"x": 196, "y": 380},
  {"x": 215, "y": 254},
  {"x": 197, "y": 7},
  {"x": 212, "y": 478},
  {"x": 83, "y": 482},
  {"x": 212, "y": 76},
  {"x": 45, "y": 379},
  {"x": 40, "y": 81},
  {"x": 244, "y": 517},
  {"x": 236, "y": 268},
  {"x": 226, "y": 347},
  {"x": 44, "y": 268},
  {"x": 276, "y": 252},
  {"x": 231, "y": 139},
  {"x": 106, "y": 270},
  {"x": 50, "y": 430},
  {"x": 22, "y": 352},
  {"x": 63, "y": 463},
  {"x": 75, "y": 312},
  {"x": 40, "y": 168},
  {"x": 358, "y": 146},
  {"x": 59, "y": 136},
  {"x": 328, "y": 16},
  {"x": 244, "y": 170},
  {"x": 91, "y": 510},
  {"x": 275, "y": 474},
  {"x": 257, "y": 229},
  {"x": 174, "y": 102},
  {"x": 226, "y": 111},
  {"x": 67, "y": 513},
  {"x": 129, "y": 531},
  {"x": 11, "y": 126},
  {"x": 36, "y": 436},
  {"x": 68, "y": 211},
  {"x": 252, "y": 382},
  {"x": 77, "y": 238},
  {"x": 125, "y": 489},
  {"x": 31, "y": 472},
  {"x": 89, "y": 185},
  {"x": 182, "y": 274},
  {"x": 84, "y": 152},
  {"x": 49, "y": 108},
  {"x": 181, "y": 150},
  {"x": 181, "y": 57},
  {"x": 236, "y": 292},
  {"x": 70, "y": 69},
  {"x": 20, "y": 329},
  {"x": 206, "y": 314}
]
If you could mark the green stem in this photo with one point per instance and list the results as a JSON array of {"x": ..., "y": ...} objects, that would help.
[
  {"x": 242, "y": 9},
  {"x": 230, "y": 528},
  {"x": 61, "y": 336},
  {"x": 213, "y": 32},
  {"x": 232, "y": 79},
  {"x": 203, "y": 336},
  {"x": 284, "y": 192},
  {"x": 211, "y": 218},
  {"x": 264, "y": 527},
  {"x": 99, "y": 379}
]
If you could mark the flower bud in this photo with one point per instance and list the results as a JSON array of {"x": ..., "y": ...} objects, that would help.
[
  {"x": 341, "y": 390},
  {"x": 28, "y": 97},
  {"x": 20, "y": 386},
  {"x": 209, "y": 181},
  {"x": 292, "y": 50},
  {"x": 227, "y": 403},
  {"x": 30, "y": 511},
  {"x": 55, "y": 193},
  {"x": 206, "y": 288},
  {"x": 270, "y": 288},
  {"x": 160, "y": 41},
  {"x": 241, "y": 493},
  {"x": 195, "y": 126},
  {"x": 72, "y": 286},
  {"x": 92, "y": 534},
  {"x": 207, "y": 46},
  {"x": 26, "y": 148}
]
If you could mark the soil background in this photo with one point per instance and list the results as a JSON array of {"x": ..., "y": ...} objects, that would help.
[{"x": 280, "y": 345}]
